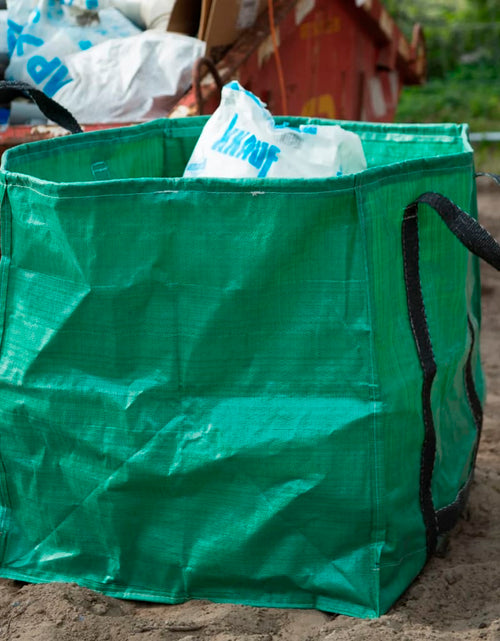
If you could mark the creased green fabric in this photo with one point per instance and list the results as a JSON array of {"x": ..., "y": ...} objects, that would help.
[{"x": 209, "y": 388}]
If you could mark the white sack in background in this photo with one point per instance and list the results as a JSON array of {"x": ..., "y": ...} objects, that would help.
[
  {"x": 3, "y": 31},
  {"x": 241, "y": 140},
  {"x": 146, "y": 14},
  {"x": 39, "y": 48},
  {"x": 120, "y": 80}
]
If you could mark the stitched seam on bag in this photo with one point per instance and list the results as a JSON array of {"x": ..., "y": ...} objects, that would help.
[
  {"x": 5, "y": 263},
  {"x": 242, "y": 189},
  {"x": 5, "y": 266},
  {"x": 4, "y": 279},
  {"x": 80, "y": 144},
  {"x": 132, "y": 591},
  {"x": 202, "y": 190},
  {"x": 455, "y": 501},
  {"x": 403, "y": 175},
  {"x": 166, "y": 127},
  {"x": 380, "y": 520}
]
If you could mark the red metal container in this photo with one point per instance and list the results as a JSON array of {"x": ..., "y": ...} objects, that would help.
[{"x": 341, "y": 59}]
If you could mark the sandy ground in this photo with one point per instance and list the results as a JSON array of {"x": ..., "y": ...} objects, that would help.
[{"x": 457, "y": 597}]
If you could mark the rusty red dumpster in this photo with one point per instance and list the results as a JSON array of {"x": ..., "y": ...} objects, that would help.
[{"x": 340, "y": 59}]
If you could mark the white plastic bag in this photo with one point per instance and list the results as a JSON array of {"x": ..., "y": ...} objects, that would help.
[
  {"x": 125, "y": 79},
  {"x": 3, "y": 32},
  {"x": 241, "y": 140},
  {"x": 146, "y": 14},
  {"x": 38, "y": 48},
  {"x": 98, "y": 65}
]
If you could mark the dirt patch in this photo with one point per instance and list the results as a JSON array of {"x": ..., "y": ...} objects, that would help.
[{"x": 456, "y": 598}]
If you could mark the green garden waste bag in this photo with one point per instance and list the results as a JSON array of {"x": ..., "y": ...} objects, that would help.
[{"x": 260, "y": 391}]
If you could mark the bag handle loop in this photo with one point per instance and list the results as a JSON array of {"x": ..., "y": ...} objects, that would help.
[
  {"x": 50, "y": 108},
  {"x": 471, "y": 234}
]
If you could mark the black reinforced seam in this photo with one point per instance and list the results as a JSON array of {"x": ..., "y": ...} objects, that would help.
[
  {"x": 480, "y": 242},
  {"x": 420, "y": 330},
  {"x": 448, "y": 516},
  {"x": 472, "y": 395}
]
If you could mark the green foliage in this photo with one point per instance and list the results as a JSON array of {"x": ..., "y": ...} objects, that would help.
[
  {"x": 463, "y": 53},
  {"x": 480, "y": 10},
  {"x": 453, "y": 30},
  {"x": 487, "y": 157},
  {"x": 468, "y": 94}
]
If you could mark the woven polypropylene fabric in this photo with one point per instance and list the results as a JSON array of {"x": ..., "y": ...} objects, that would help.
[{"x": 210, "y": 388}]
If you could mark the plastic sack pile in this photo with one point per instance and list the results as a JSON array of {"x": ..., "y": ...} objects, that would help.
[
  {"x": 256, "y": 391},
  {"x": 95, "y": 61},
  {"x": 241, "y": 140}
]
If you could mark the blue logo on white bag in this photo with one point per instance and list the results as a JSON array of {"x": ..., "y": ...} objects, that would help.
[
  {"x": 242, "y": 144},
  {"x": 51, "y": 72},
  {"x": 41, "y": 69},
  {"x": 13, "y": 31}
]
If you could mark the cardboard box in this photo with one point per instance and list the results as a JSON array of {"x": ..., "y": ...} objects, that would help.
[{"x": 217, "y": 22}]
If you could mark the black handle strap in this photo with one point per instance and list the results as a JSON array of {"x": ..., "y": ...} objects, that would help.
[
  {"x": 50, "y": 108},
  {"x": 488, "y": 174},
  {"x": 480, "y": 242}
]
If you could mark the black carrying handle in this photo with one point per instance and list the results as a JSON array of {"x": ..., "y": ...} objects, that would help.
[
  {"x": 482, "y": 244},
  {"x": 50, "y": 108}
]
